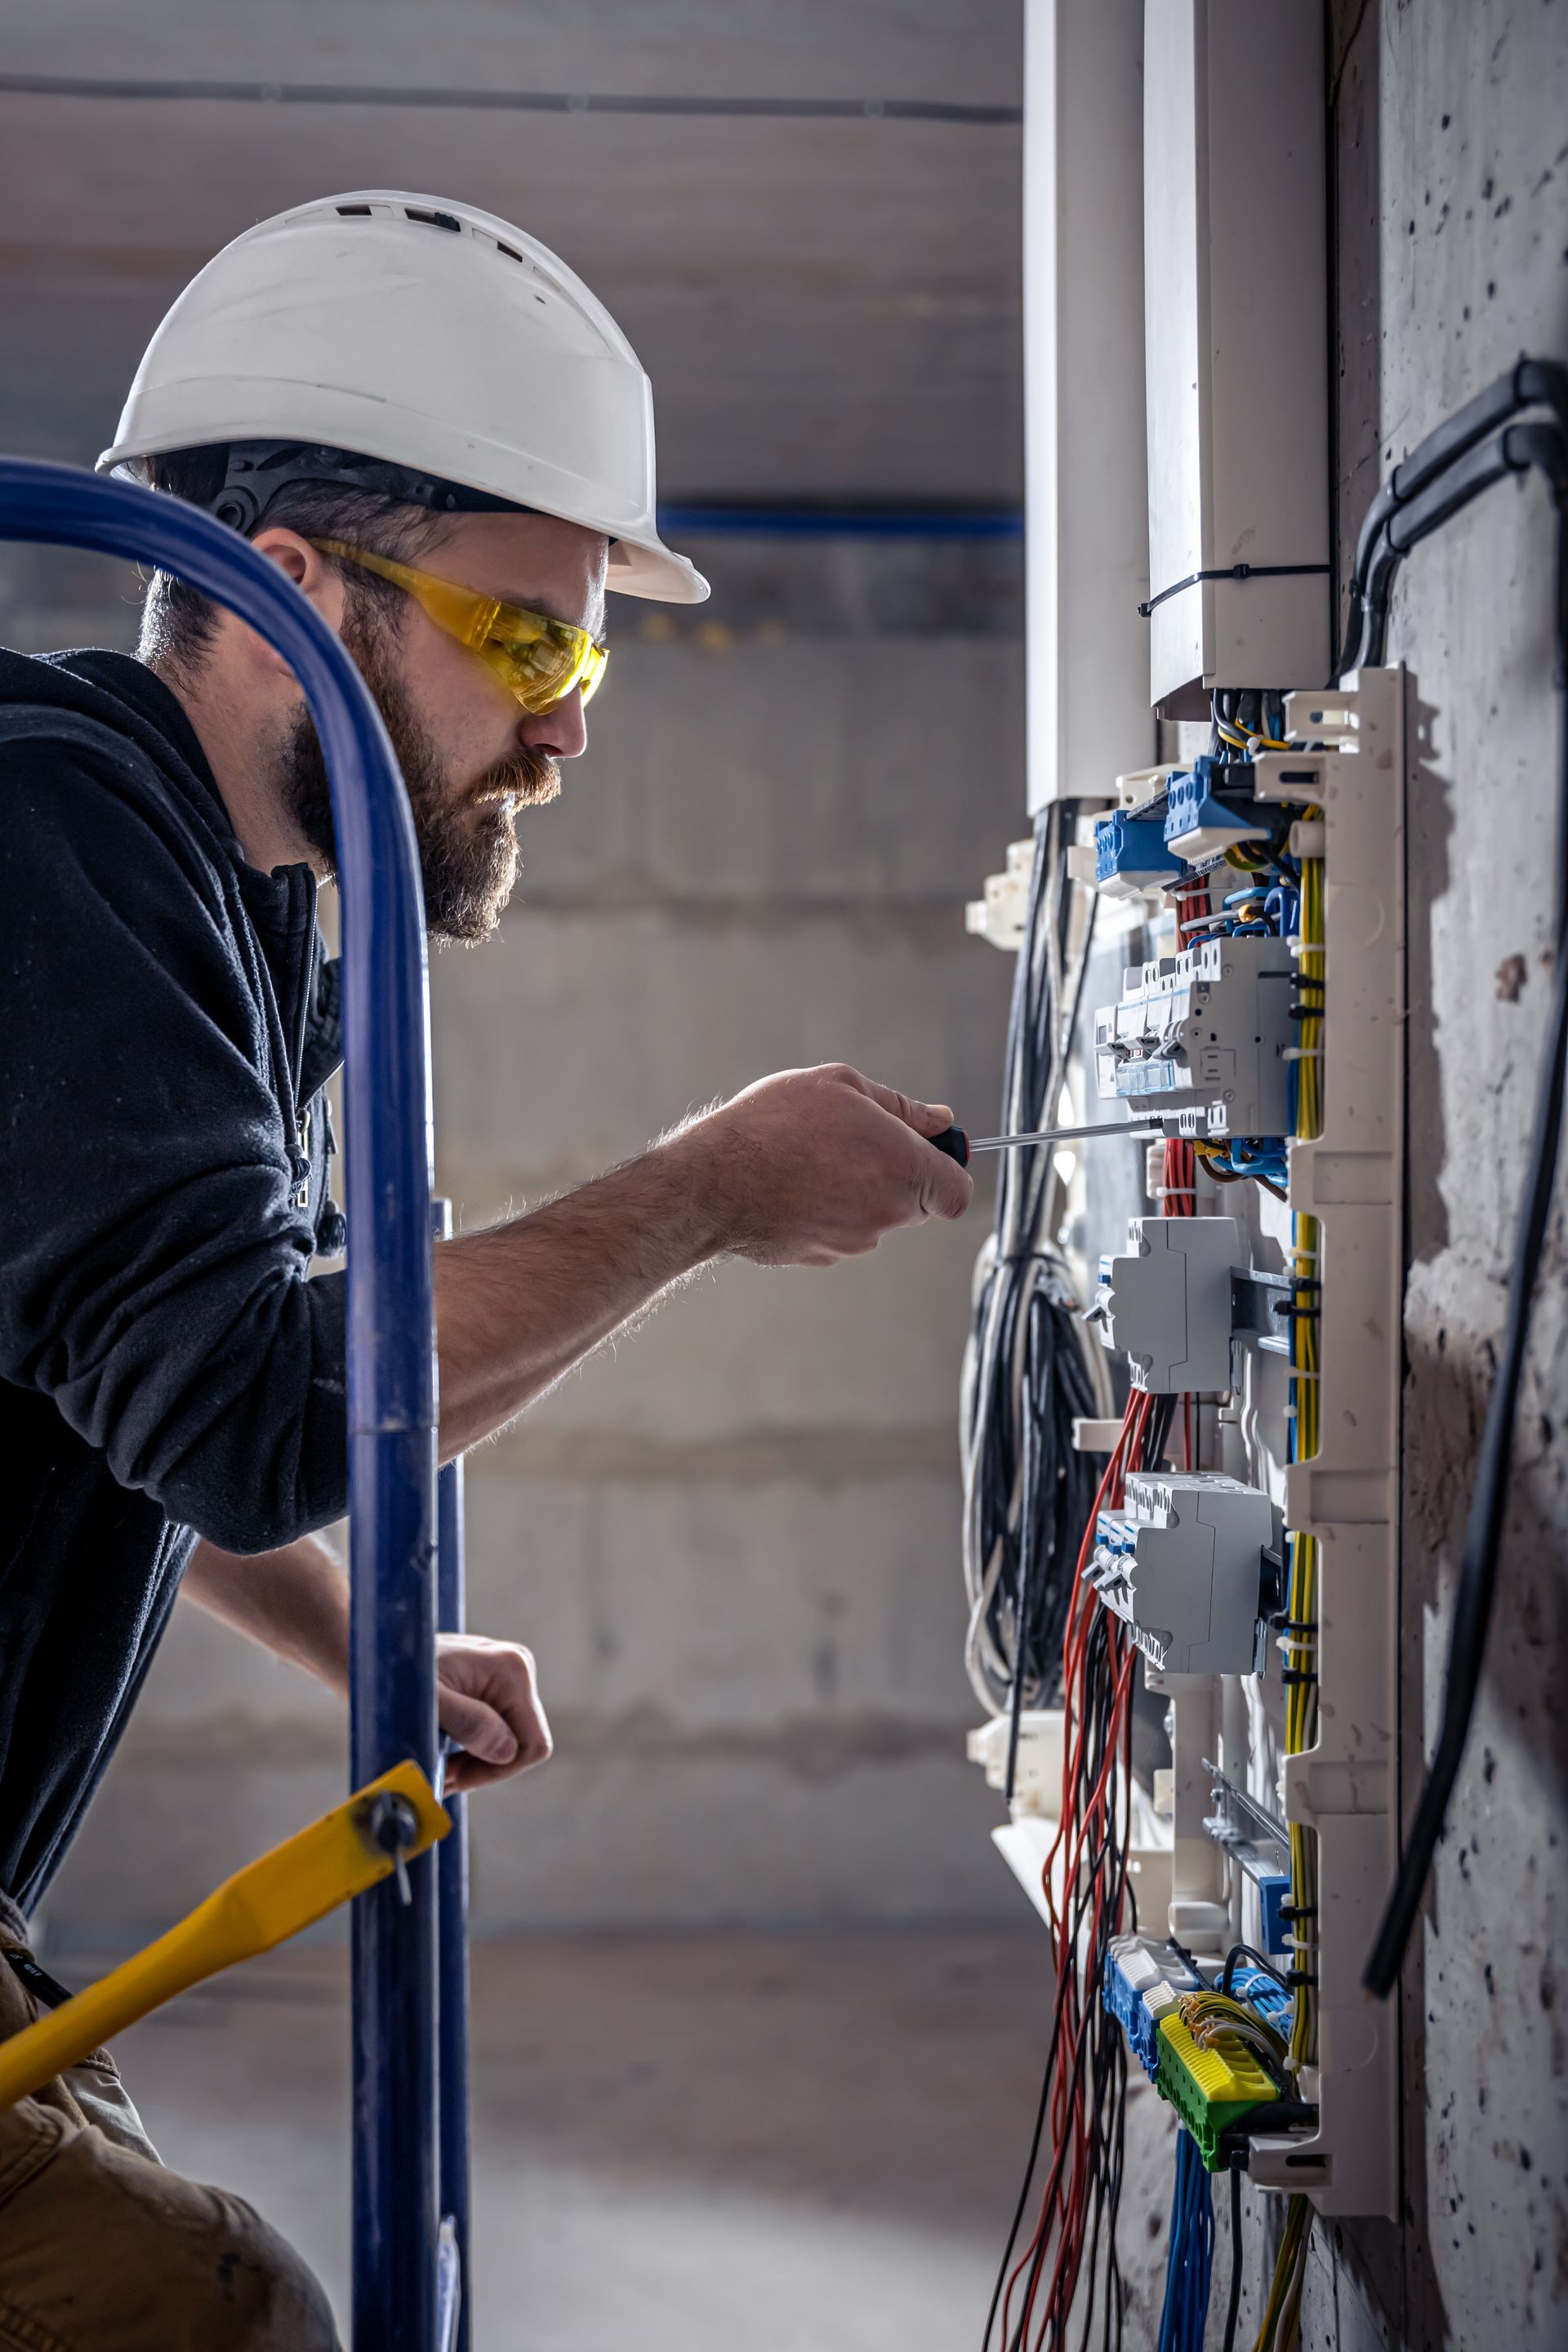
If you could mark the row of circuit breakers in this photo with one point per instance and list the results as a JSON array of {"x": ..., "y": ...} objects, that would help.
[{"x": 1203, "y": 1039}]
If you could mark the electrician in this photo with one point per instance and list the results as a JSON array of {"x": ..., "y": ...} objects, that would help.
[{"x": 445, "y": 441}]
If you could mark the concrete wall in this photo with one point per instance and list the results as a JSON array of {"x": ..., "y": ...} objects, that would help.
[
  {"x": 732, "y": 1540},
  {"x": 1453, "y": 258}
]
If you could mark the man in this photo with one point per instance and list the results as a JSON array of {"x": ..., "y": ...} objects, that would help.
[{"x": 441, "y": 437}]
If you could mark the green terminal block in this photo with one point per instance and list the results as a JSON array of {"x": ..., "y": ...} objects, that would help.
[{"x": 1210, "y": 2088}]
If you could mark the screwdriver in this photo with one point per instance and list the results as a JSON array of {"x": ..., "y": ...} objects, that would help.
[{"x": 958, "y": 1146}]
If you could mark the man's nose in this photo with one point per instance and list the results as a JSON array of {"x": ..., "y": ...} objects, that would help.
[{"x": 561, "y": 732}]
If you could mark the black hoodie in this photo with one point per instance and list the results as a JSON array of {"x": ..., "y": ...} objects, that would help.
[{"x": 166, "y": 1368}]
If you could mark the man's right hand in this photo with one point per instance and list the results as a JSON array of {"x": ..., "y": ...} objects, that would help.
[{"x": 813, "y": 1166}]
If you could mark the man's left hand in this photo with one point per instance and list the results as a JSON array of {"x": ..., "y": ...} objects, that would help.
[{"x": 487, "y": 1700}]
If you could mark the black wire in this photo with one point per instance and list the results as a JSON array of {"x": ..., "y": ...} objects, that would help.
[
  {"x": 1232, "y": 2307},
  {"x": 1034, "y": 1491},
  {"x": 1026, "y": 1564},
  {"x": 1158, "y": 1431},
  {"x": 1477, "y": 1576},
  {"x": 1528, "y": 383},
  {"x": 1248, "y": 1952}
]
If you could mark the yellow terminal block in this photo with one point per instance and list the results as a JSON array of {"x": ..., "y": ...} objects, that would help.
[
  {"x": 1210, "y": 2085},
  {"x": 352, "y": 1848}
]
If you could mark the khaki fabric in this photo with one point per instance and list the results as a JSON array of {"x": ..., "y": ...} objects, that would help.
[{"x": 103, "y": 2249}]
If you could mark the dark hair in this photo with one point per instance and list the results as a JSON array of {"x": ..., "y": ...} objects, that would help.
[{"x": 178, "y": 623}]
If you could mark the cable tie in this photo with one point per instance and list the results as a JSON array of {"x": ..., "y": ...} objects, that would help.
[
  {"x": 1231, "y": 571},
  {"x": 1297, "y": 1674},
  {"x": 1294, "y": 1977}
]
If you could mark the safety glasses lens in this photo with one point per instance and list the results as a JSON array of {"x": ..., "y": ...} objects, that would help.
[{"x": 542, "y": 661}]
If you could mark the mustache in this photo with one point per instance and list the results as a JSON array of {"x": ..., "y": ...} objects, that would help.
[{"x": 532, "y": 779}]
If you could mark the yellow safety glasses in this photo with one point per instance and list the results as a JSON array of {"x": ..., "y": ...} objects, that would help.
[{"x": 539, "y": 659}]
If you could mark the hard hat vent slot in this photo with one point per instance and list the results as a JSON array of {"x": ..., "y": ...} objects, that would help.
[
  {"x": 362, "y": 209},
  {"x": 434, "y": 220},
  {"x": 510, "y": 251}
]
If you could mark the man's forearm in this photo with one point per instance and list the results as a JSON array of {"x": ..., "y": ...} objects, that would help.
[
  {"x": 295, "y": 1602},
  {"x": 802, "y": 1168},
  {"x": 517, "y": 1306}
]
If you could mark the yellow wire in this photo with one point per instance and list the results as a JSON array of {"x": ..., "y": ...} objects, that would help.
[
  {"x": 1244, "y": 738},
  {"x": 1280, "y": 2328},
  {"x": 1282, "y": 2312}
]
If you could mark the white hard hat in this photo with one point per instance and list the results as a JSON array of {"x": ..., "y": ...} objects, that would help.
[{"x": 430, "y": 336}]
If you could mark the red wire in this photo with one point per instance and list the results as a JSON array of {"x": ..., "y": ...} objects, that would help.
[
  {"x": 1063, "y": 2204},
  {"x": 1064, "y": 2199},
  {"x": 1070, "y": 2183}
]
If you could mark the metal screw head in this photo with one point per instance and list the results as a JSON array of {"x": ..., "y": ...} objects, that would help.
[
  {"x": 393, "y": 1822},
  {"x": 394, "y": 1825}
]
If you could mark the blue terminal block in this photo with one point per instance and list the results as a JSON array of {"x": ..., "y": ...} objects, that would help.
[
  {"x": 1135, "y": 1966},
  {"x": 1198, "y": 823},
  {"x": 1273, "y": 1896},
  {"x": 1129, "y": 853}
]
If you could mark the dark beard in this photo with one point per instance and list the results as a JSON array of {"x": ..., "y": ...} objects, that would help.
[{"x": 467, "y": 855}]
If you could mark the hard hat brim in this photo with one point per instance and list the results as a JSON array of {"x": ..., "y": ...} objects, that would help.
[{"x": 641, "y": 564}]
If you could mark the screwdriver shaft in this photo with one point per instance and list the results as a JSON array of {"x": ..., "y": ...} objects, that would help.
[{"x": 1059, "y": 1135}]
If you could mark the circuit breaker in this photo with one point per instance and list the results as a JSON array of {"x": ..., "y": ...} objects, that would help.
[
  {"x": 1166, "y": 1303},
  {"x": 1182, "y": 1564},
  {"x": 1209, "y": 1028}
]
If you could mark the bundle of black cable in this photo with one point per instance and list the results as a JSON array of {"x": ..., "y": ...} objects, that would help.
[{"x": 1028, "y": 1374}]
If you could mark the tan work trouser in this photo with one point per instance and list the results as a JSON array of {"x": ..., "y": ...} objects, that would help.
[{"x": 103, "y": 2249}]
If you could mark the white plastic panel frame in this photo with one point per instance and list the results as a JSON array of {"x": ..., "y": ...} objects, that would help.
[{"x": 1351, "y": 1178}]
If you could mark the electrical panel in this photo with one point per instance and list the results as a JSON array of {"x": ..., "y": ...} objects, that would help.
[
  {"x": 1245, "y": 1541},
  {"x": 1237, "y": 994},
  {"x": 1167, "y": 1302},
  {"x": 1182, "y": 1564}
]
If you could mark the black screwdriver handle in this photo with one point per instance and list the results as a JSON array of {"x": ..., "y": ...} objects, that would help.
[{"x": 954, "y": 1142}]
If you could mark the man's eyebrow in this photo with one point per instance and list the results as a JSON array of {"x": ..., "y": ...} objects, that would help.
[{"x": 594, "y": 624}]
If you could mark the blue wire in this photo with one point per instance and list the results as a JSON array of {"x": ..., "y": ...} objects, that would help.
[{"x": 1189, "y": 2259}]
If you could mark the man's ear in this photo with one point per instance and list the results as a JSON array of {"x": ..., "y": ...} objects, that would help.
[{"x": 311, "y": 571}]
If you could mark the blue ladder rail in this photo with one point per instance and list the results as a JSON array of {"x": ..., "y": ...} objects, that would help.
[{"x": 398, "y": 2168}]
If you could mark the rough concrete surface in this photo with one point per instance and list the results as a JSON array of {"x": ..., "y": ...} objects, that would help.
[
  {"x": 825, "y": 306},
  {"x": 1453, "y": 258}
]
